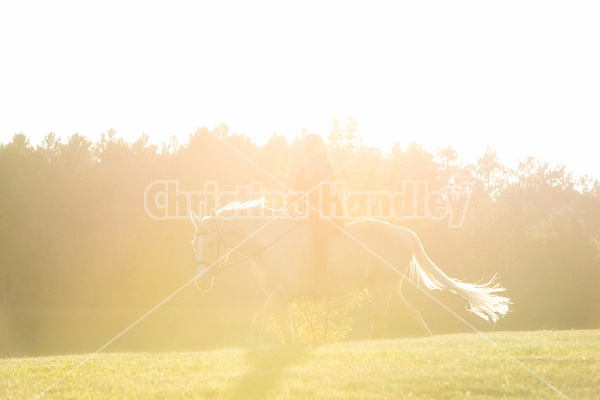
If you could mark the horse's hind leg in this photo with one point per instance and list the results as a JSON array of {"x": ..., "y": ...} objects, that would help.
[
  {"x": 414, "y": 313},
  {"x": 381, "y": 303}
]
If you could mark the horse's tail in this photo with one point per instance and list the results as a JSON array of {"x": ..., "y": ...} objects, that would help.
[{"x": 481, "y": 297}]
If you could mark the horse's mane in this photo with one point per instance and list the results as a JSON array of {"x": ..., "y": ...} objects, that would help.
[
  {"x": 248, "y": 208},
  {"x": 243, "y": 205}
]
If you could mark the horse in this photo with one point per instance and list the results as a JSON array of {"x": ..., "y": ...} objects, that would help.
[{"x": 365, "y": 254}]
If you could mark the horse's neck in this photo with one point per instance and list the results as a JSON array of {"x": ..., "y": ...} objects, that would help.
[{"x": 245, "y": 235}]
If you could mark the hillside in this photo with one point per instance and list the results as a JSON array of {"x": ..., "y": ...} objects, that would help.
[{"x": 440, "y": 367}]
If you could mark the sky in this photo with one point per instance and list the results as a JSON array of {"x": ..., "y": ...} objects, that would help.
[{"x": 518, "y": 76}]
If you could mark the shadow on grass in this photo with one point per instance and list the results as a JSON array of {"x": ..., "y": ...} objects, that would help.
[{"x": 265, "y": 369}]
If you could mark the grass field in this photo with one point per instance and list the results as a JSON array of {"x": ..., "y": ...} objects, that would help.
[{"x": 441, "y": 367}]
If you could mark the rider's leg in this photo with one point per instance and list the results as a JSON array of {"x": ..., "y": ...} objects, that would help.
[
  {"x": 320, "y": 239},
  {"x": 321, "y": 263}
]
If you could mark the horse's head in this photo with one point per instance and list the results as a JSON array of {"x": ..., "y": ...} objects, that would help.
[{"x": 208, "y": 246}]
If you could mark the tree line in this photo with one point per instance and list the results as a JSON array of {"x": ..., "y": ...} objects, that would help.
[{"x": 74, "y": 233}]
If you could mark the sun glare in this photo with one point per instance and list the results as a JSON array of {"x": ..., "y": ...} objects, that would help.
[
  {"x": 319, "y": 199},
  {"x": 518, "y": 77}
]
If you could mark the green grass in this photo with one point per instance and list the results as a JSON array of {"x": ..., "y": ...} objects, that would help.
[{"x": 441, "y": 367}]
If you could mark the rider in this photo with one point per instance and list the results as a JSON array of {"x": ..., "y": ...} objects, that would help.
[{"x": 315, "y": 183}]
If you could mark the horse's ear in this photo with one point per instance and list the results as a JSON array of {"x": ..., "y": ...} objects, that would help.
[
  {"x": 194, "y": 218},
  {"x": 213, "y": 212}
]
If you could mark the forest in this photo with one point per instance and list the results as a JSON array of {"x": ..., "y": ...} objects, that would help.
[{"x": 81, "y": 259}]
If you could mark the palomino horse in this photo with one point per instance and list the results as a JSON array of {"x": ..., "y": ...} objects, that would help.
[{"x": 281, "y": 249}]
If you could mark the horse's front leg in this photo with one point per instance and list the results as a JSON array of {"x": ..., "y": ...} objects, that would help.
[
  {"x": 285, "y": 321},
  {"x": 275, "y": 300}
]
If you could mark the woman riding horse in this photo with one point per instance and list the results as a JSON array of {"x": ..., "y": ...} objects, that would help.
[{"x": 316, "y": 194}]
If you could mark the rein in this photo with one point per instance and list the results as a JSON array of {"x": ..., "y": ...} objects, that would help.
[
  {"x": 222, "y": 268},
  {"x": 221, "y": 242}
]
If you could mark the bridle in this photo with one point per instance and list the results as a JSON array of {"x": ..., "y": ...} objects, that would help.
[{"x": 220, "y": 244}]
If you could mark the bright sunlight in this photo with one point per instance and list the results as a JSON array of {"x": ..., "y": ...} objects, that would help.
[{"x": 314, "y": 200}]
